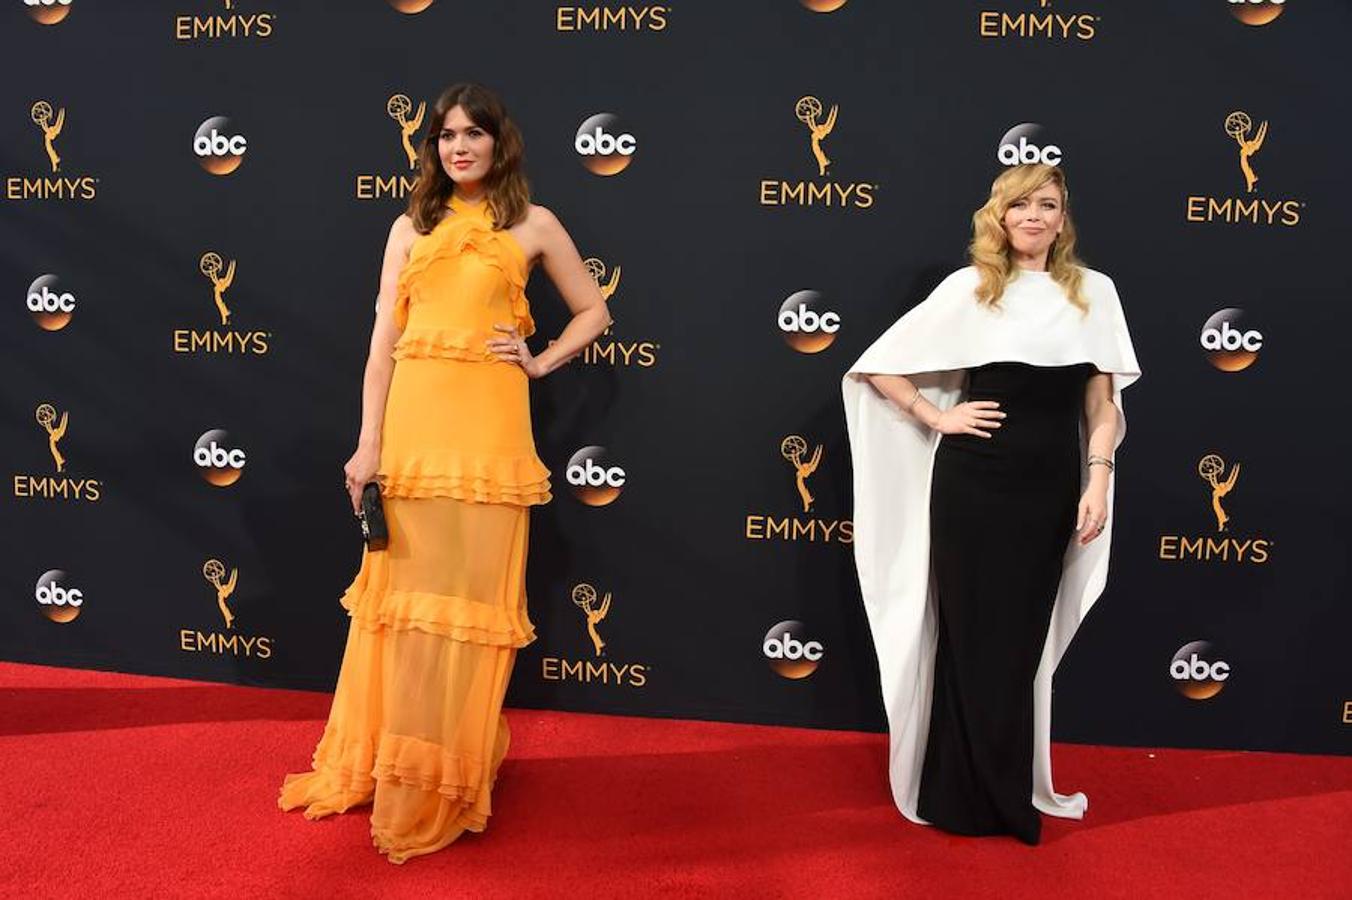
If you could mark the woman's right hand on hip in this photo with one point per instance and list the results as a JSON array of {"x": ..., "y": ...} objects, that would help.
[{"x": 978, "y": 417}]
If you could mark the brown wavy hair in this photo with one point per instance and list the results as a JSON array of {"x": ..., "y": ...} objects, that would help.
[
  {"x": 508, "y": 193},
  {"x": 989, "y": 250}
]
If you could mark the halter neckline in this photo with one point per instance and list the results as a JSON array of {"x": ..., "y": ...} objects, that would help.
[{"x": 459, "y": 206}]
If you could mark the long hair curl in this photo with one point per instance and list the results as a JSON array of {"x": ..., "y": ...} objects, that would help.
[
  {"x": 990, "y": 251},
  {"x": 508, "y": 192}
]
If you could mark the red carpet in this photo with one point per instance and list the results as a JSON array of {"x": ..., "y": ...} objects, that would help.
[{"x": 127, "y": 786}]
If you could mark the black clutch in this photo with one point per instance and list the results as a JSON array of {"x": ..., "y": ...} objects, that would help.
[{"x": 372, "y": 515}]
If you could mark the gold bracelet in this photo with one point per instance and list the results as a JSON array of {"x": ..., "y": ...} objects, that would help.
[
  {"x": 1100, "y": 461},
  {"x": 911, "y": 406}
]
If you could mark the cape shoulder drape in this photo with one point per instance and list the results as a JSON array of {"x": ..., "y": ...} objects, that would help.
[{"x": 933, "y": 345}]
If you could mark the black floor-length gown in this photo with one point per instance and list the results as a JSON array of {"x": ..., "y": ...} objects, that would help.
[{"x": 1002, "y": 514}]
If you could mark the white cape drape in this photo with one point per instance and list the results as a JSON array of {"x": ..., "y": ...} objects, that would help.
[{"x": 933, "y": 345}]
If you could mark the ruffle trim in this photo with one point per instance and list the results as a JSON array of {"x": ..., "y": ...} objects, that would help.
[
  {"x": 375, "y": 609},
  {"x": 462, "y": 233},
  {"x": 444, "y": 343},
  {"x": 346, "y": 771},
  {"x": 515, "y": 480}
]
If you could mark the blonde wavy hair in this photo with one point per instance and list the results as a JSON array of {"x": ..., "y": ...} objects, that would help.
[{"x": 990, "y": 250}]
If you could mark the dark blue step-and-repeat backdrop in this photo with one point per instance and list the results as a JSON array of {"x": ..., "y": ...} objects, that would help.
[{"x": 195, "y": 201}]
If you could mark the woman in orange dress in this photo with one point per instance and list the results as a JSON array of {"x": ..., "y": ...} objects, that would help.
[{"x": 416, "y": 727}]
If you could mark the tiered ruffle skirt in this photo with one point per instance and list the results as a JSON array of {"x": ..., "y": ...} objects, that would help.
[{"x": 416, "y": 727}]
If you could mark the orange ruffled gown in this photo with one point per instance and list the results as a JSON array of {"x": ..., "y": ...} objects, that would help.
[{"x": 416, "y": 726}]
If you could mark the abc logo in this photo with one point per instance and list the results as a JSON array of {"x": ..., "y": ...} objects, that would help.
[
  {"x": 47, "y": 12},
  {"x": 58, "y": 603},
  {"x": 790, "y": 652},
  {"x": 824, "y": 6},
  {"x": 1024, "y": 144},
  {"x": 1195, "y": 674},
  {"x": 411, "y": 7},
  {"x": 593, "y": 482},
  {"x": 605, "y": 148},
  {"x": 50, "y": 306},
  {"x": 807, "y": 326},
  {"x": 1230, "y": 346},
  {"x": 218, "y": 147},
  {"x": 1256, "y": 12},
  {"x": 221, "y": 464}
]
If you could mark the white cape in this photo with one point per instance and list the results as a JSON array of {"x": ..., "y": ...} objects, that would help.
[{"x": 933, "y": 345}]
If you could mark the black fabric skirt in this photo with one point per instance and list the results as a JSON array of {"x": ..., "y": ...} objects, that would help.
[{"x": 1002, "y": 514}]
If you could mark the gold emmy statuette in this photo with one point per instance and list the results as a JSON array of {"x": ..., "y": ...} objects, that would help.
[
  {"x": 584, "y": 595},
  {"x": 399, "y": 106},
  {"x": 807, "y": 109},
  {"x": 1237, "y": 125},
  {"x": 213, "y": 570},
  {"x": 42, "y": 117},
  {"x": 46, "y": 415},
  {"x": 597, "y": 270},
  {"x": 211, "y": 265},
  {"x": 792, "y": 448},
  {"x": 1209, "y": 467}
]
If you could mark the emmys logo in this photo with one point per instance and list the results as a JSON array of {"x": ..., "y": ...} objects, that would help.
[
  {"x": 1045, "y": 24},
  {"x": 51, "y": 307},
  {"x": 827, "y": 193},
  {"x": 220, "y": 463},
  {"x": 807, "y": 328},
  {"x": 597, "y": 270},
  {"x": 213, "y": 570},
  {"x": 399, "y": 106},
  {"x": 790, "y": 654},
  {"x": 221, "y": 274},
  {"x": 411, "y": 7},
  {"x": 1254, "y": 210},
  {"x": 1256, "y": 12},
  {"x": 808, "y": 109},
  {"x": 594, "y": 608},
  {"x": 823, "y": 6},
  {"x": 210, "y": 265},
  {"x": 397, "y": 185},
  {"x": 794, "y": 450},
  {"x": 42, "y": 116},
  {"x": 46, "y": 416},
  {"x": 584, "y": 598},
  {"x": 604, "y": 146},
  {"x": 607, "y": 349},
  {"x": 1238, "y": 125},
  {"x": 1229, "y": 346},
  {"x": 1194, "y": 675},
  {"x": 1020, "y": 146},
  {"x": 50, "y": 121},
  {"x": 601, "y": 18},
  {"x": 57, "y": 487},
  {"x": 1209, "y": 468},
  {"x": 593, "y": 482},
  {"x": 1219, "y": 546},
  {"x": 229, "y": 25},
  {"x": 57, "y": 601},
  {"x": 218, "y": 147},
  {"x": 47, "y": 12},
  {"x": 232, "y": 643}
]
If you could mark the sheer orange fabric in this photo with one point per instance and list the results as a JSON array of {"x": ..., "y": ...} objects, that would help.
[{"x": 416, "y": 727}]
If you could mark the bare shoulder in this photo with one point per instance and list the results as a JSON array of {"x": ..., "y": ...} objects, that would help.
[
  {"x": 402, "y": 233},
  {"x": 403, "y": 227},
  {"x": 541, "y": 220}
]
